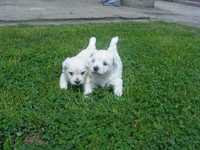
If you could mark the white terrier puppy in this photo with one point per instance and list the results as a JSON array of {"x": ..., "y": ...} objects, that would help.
[
  {"x": 106, "y": 69},
  {"x": 74, "y": 69}
]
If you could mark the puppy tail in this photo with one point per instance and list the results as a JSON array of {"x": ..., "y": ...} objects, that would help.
[
  {"x": 113, "y": 44},
  {"x": 92, "y": 43}
]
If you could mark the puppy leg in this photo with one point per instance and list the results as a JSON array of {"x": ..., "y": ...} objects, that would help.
[
  {"x": 63, "y": 81},
  {"x": 118, "y": 87},
  {"x": 88, "y": 87}
]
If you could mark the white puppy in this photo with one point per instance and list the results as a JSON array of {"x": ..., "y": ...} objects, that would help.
[
  {"x": 106, "y": 69},
  {"x": 74, "y": 69}
]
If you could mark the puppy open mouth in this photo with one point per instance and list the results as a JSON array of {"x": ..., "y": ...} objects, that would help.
[{"x": 77, "y": 84}]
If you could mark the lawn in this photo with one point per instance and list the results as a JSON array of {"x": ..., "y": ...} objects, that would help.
[{"x": 160, "y": 108}]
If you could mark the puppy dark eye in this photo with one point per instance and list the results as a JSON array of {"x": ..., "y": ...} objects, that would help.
[
  {"x": 71, "y": 73},
  {"x": 105, "y": 63},
  {"x": 82, "y": 73},
  {"x": 65, "y": 68}
]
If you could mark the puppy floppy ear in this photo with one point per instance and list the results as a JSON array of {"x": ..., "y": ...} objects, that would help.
[
  {"x": 65, "y": 64},
  {"x": 92, "y": 43},
  {"x": 114, "y": 61},
  {"x": 89, "y": 61},
  {"x": 113, "y": 44},
  {"x": 113, "y": 49}
]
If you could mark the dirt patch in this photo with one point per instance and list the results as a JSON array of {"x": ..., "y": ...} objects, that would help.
[{"x": 34, "y": 138}]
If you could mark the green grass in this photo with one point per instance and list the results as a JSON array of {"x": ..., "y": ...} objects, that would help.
[{"x": 160, "y": 108}]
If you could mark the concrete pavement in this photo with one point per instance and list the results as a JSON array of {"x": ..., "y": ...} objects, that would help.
[
  {"x": 181, "y": 13},
  {"x": 64, "y": 11},
  {"x": 23, "y": 10}
]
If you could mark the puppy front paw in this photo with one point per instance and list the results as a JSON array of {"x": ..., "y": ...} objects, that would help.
[
  {"x": 87, "y": 92},
  {"x": 118, "y": 92},
  {"x": 63, "y": 82},
  {"x": 63, "y": 86},
  {"x": 118, "y": 88}
]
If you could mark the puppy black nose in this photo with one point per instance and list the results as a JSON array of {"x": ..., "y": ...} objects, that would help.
[
  {"x": 96, "y": 68},
  {"x": 77, "y": 82}
]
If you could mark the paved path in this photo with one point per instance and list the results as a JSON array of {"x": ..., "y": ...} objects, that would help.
[
  {"x": 179, "y": 13},
  {"x": 42, "y": 11}
]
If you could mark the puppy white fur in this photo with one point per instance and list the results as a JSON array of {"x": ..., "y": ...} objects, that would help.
[
  {"x": 74, "y": 69},
  {"x": 105, "y": 69}
]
